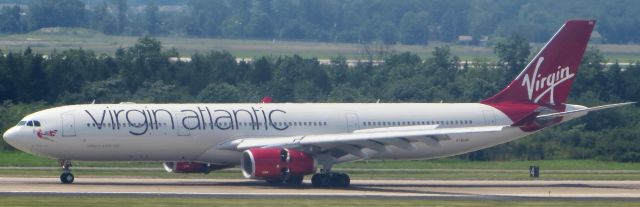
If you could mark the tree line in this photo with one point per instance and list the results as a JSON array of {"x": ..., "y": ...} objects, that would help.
[
  {"x": 143, "y": 73},
  {"x": 354, "y": 21}
]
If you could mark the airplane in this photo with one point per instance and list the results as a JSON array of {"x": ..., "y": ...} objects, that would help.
[{"x": 283, "y": 142}]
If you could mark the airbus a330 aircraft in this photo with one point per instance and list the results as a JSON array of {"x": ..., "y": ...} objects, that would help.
[{"x": 281, "y": 143}]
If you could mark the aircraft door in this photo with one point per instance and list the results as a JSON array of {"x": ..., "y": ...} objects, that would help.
[
  {"x": 352, "y": 121},
  {"x": 68, "y": 125},
  {"x": 489, "y": 118}
]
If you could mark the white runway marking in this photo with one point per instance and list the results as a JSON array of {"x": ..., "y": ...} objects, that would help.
[{"x": 418, "y": 189}]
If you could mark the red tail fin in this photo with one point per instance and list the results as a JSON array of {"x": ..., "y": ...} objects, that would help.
[{"x": 547, "y": 79}]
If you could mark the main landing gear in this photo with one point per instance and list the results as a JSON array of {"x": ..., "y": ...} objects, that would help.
[
  {"x": 287, "y": 180},
  {"x": 330, "y": 179},
  {"x": 326, "y": 178},
  {"x": 66, "y": 177}
]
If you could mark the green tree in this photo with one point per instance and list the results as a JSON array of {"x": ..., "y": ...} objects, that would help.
[
  {"x": 54, "y": 13},
  {"x": 261, "y": 72},
  {"x": 143, "y": 61},
  {"x": 414, "y": 28},
  {"x": 220, "y": 93},
  {"x": 387, "y": 33},
  {"x": 513, "y": 53},
  {"x": 121, "y": 9},
  {"x": 10, "y": 20},
  {"x": 152, "y": 19},
  {"x": 102, "y": 20}
]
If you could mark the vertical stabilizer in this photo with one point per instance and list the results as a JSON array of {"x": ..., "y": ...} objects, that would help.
[{"x": 547, "y": 79}]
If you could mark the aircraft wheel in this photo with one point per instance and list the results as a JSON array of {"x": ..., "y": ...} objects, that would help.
[
  {"x": 321, "y": 180},
  {"x": 331, "y": 180},
  {"x": 340, "y": 180},
  {"x": 274, "y": 182},
  {"x": 294, "y": 180},
  {"x": 67, "y": 178}
]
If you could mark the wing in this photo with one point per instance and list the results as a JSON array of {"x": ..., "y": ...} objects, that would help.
[{"x": 353, "y": 143}]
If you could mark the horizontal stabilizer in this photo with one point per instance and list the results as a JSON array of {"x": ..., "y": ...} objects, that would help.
[{"x": 596, "y": 108}]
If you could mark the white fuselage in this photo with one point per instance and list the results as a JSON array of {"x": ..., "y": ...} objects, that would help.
[{"x": 194, "y": 132}]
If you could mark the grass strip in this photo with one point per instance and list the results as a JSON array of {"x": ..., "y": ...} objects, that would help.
[{"x": 98, "y": 201}]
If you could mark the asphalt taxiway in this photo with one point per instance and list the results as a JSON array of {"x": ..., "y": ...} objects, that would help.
[{"x": 416, "y": 189}]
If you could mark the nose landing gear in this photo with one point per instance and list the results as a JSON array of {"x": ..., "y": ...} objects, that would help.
[{"x": 66, "y": 177}]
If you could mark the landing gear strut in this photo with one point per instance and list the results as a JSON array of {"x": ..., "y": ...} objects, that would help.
[
  {"x": 66, "y": 177},
  {"x": 331, "y": 179}
]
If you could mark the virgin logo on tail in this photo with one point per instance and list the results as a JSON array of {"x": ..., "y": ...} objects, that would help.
[
  {"x": 547, "y": 84},
  {"x": 546, "y": 81}
]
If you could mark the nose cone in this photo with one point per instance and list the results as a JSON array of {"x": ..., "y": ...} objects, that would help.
[{"x": 11, "y": 137}]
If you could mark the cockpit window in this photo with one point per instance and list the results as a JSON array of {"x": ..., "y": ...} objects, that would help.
[{"x": 29, "y": 123}]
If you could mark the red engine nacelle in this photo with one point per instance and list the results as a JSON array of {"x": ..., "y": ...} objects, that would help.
[
  {"x": 192, "y": 167},
  {"x": 276, "y": 163}
]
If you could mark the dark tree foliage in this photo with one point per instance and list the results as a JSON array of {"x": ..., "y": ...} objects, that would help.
[
  {"x": 357, "y": 21},
  {"x": 11, "y": 20},
  {"x": 56, "y": 13},
  {"x": 513, "y": 53},
  {"x": 152, "y": 21}
]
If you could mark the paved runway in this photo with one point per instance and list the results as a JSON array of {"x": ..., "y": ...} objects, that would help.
[{"x": 415, "y": 189}]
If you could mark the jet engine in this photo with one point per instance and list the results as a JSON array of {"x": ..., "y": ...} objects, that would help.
[
  {"x": 192, "y": 167},
  {"x": 276, "y": 164}
]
